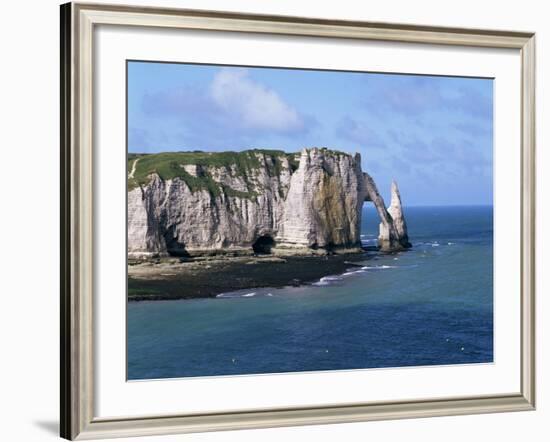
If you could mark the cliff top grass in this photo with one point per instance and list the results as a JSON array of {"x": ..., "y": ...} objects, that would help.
[{"x": 169, "y": 165}]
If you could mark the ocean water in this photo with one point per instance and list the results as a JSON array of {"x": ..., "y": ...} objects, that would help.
[{"x": 431, "y": 305}]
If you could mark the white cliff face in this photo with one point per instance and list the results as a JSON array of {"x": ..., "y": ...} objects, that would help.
[
  {"x": 145, "y": 206},
  {"x": 322, "y": 206},
  {"x": 317, "y": 205}
]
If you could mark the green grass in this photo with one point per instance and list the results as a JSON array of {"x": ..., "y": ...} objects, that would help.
[{"x": 169, "y": 165}]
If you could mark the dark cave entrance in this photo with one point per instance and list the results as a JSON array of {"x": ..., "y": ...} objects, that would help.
[
  {"x": 263, "y": 245},
  {"x": 173, "y": 246}
]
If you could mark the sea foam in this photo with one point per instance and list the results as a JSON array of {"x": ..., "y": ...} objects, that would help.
[{"x": 382, "y": 267}]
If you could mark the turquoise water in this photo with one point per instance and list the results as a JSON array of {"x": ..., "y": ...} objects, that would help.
[{"x": 432, "y": 305}]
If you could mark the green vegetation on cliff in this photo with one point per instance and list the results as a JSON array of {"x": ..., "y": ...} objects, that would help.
[{"x": 170, "y": 165}]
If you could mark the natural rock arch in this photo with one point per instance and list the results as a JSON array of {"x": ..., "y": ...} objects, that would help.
[{"x": 393, "y": 234}]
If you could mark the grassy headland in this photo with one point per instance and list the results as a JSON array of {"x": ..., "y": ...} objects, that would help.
[{"x": 169, "y": 165}]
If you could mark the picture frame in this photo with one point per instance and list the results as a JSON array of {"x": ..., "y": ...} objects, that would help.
[{"x": 79, "y": 202}]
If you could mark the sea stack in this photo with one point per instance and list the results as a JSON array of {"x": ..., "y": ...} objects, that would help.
[
  {"x": 254, "y": 201},
  {"x": 393, "y": 239}
]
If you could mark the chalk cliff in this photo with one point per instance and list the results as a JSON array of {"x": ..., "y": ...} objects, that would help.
[
  {"x": 263, "y": 201},
  {"x": 396, "y": 213}
]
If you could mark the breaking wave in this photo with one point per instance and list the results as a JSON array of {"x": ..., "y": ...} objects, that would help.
[
  {"x": 382, "y": 267},
  {"x": 238, "y": 295}
]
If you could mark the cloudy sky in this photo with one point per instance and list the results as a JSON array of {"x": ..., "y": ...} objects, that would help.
[{"x": 432, "y": 134}]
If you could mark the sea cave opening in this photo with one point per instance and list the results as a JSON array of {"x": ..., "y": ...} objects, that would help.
[
  {"x": 174, "y": 247},
  {"x": 263, "y": 245}
]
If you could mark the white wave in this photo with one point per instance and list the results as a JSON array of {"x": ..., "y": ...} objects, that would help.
[
  {"x": 229, "y": 295},
  {"x": 330, "y": 278},
  {"x": 236, "y": 295},
  {"x": 353, "y": 272},
  {"x": 432, "y": 244},
  {"x": 327, "y": 280},
  {"x": 382, "y": 267}
]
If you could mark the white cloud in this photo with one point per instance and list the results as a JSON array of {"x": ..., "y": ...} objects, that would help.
[{"x": 256, "y": 106}]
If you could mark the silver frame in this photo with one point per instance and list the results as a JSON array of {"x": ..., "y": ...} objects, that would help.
[{"x": 77, "y": 389}]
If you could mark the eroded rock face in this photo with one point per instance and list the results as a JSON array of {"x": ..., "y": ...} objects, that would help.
[
  {"x": 393, "y": 234},
  {"x": 396, "y": 212},
  {"x": 314, "y": 204},
  {"x": 322, "y": 207}
]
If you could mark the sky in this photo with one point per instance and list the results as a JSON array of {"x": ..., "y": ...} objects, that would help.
[{"x": 433, "y": 135}]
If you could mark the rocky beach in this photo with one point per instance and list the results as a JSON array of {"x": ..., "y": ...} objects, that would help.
[{"x": 171, "y": 278}]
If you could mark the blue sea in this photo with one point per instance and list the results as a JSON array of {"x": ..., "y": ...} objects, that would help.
[{"x": 431, "y": 305}]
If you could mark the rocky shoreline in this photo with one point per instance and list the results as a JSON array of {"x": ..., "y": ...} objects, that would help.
[{"x": 170, "y": 278}]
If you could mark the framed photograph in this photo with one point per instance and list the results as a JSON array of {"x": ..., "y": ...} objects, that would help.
[{"x": 275, "y": 220}]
